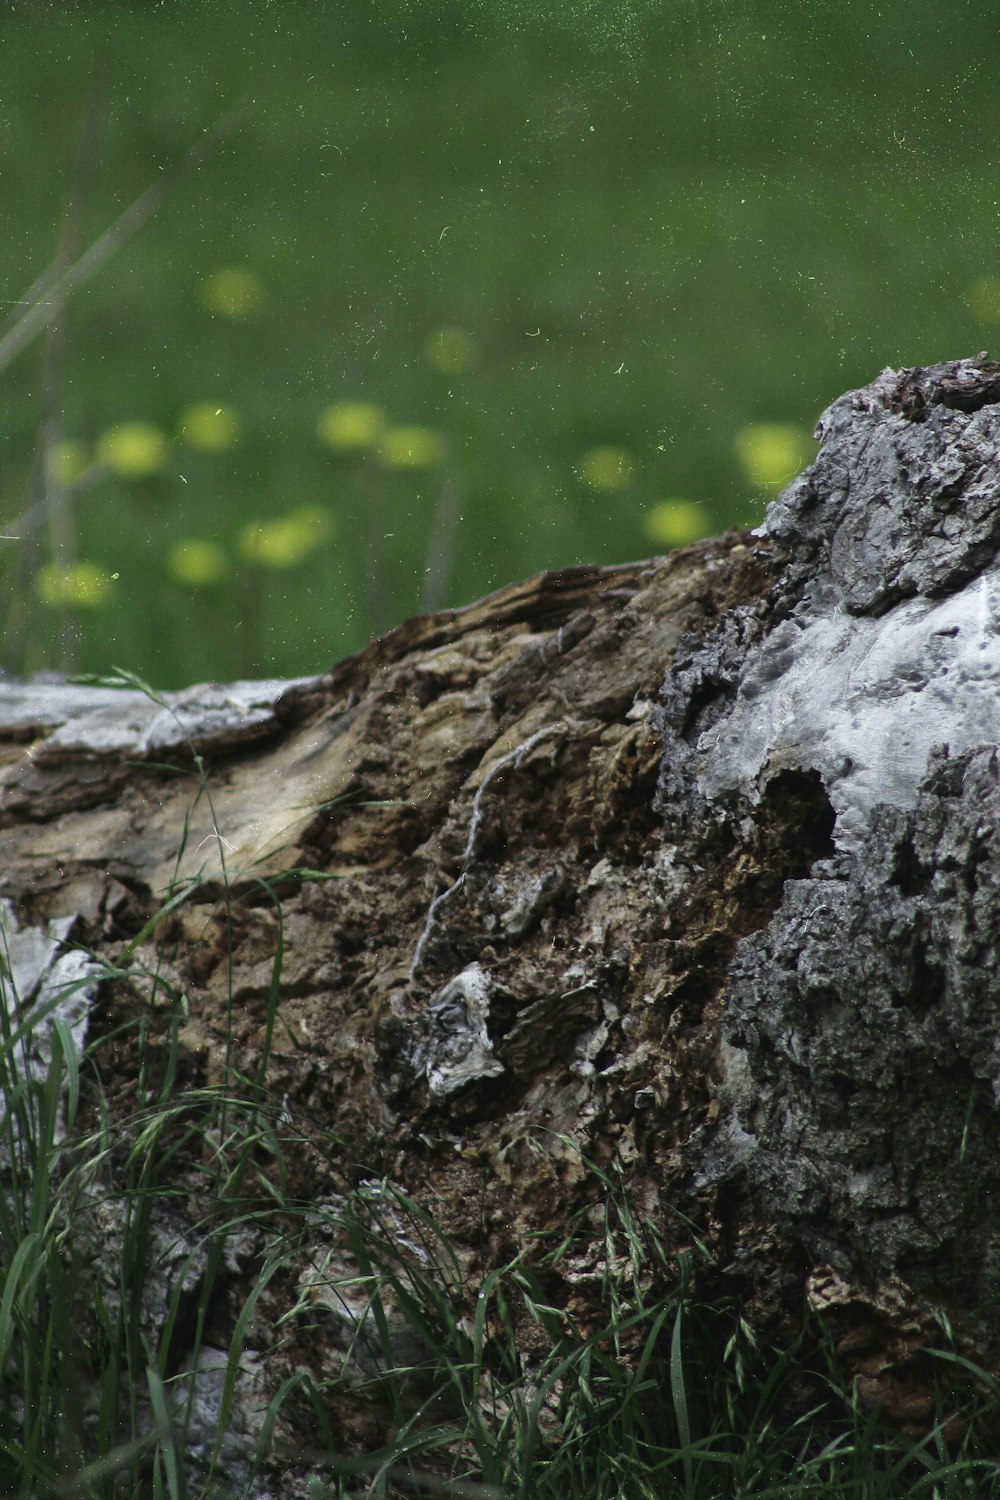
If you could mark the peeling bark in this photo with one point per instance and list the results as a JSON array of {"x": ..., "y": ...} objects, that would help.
[{"x": 691, "y": 861}]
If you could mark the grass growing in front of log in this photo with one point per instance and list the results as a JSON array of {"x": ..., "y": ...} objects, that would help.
[
  {"x": 144, "y": 1252},
  {"x": 669, "y": 1398},
  {"x": 697, "y": 1407}
]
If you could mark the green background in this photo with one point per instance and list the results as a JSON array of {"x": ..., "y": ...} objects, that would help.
[{"x": 655, "y": 224}]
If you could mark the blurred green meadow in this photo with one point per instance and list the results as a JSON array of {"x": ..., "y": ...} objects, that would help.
[{"x": 462, "y": 291}]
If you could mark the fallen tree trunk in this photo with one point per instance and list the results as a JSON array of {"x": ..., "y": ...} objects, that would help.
[{"x": 685, "y": 868}]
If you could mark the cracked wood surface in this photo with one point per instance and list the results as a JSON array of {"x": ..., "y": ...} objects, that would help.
[{"x": 687, "y": 865}]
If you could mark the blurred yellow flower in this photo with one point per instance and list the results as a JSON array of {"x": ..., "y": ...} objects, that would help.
[
  {"x": 82, "y": 585},
  {"x": 772, "y": 453},
  {"x": 134, "y": 449},
  {"x": 450, "y": 350},
  {"x": 234, "y": 291},
  {"x": 67, "y": 461},
  {"x": 197, "y": 562},
  {"x": 350, "y": 425},
  {"x": 411, "y": 448},
  {"x": 209, "y": 427},
  {"x": 286, "y": 540},
  {"x": 674, "y": 523},
  {"x": 983, "y": 297},
  {"x": 606, "y": 468}
]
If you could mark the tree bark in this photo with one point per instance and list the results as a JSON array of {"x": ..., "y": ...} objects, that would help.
[{"x": 685, "y": 867}]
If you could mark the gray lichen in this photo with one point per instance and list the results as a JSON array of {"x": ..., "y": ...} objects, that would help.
[
  {"x": 891, "y": 643},
  {"x": 858, "y": 1040}
]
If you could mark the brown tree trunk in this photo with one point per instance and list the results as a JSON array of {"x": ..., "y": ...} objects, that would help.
[{"x": 686, "y": 868}]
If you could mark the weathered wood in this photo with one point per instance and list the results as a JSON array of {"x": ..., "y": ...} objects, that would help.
[{"x": 691, "y": 861}]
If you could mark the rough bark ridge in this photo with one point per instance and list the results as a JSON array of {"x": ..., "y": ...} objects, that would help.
[{"x": 691, "y": 861}]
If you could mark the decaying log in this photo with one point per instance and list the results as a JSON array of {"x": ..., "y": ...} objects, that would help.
[{"x": 691, "y": 862}]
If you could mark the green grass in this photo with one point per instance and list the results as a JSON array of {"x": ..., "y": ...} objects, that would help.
[
  {"x": 487, "y": 1381},
  {"x": 655, "y": 224}
]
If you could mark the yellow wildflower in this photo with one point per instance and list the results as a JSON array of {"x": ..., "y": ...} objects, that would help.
[
  {"x": 67, "y": 461},
  {"x": 606, "y": 467},
  {"x": 411, "y": 448},
  {"x": 197, "y": 562},
  {"x": 133, "y": 449},
  {"x": 210, "y": 427},
  {"x": 674, "y": 523},
  {"x": 81, "y": 585},
  {"x": 286, "y": 540},
  {"x": 772, "y": 453},
  {"x": 349, "y": 426}
]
